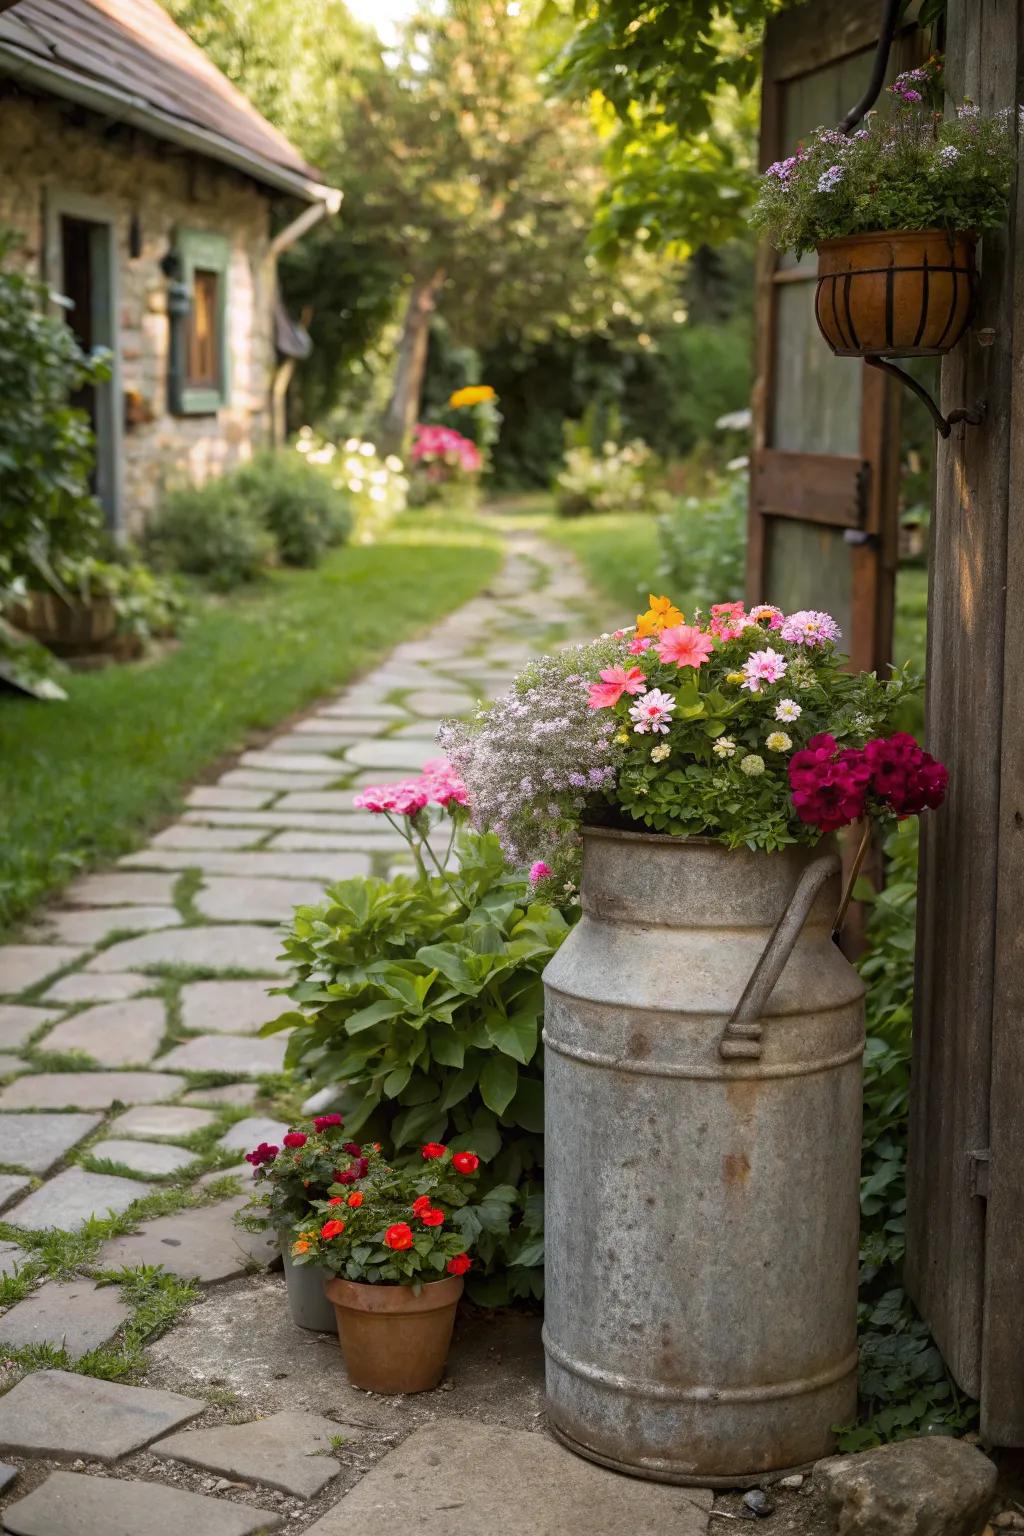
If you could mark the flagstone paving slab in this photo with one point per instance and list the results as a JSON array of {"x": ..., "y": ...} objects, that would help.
[
  {"x": 259, "y": 866},
  {"x": 20, "y": 1020},
  {"x": 161, "y": 1120},
  {"x": 201, "y": 1244},
  {"x": 361, "y": 827},
  {"x": 217, "y": 797},
  {"x": 320, "y": 741},
  {"x": 39, "y": 1142},
  {"x": 228, "y": 1007},
  {"x": 71, "y": 1504},
  {"x": 227, "y": 898},
  {"x": 289, "y": 1450},
  {"x": 148, "y": 1157},
  {"x": 346, "y": 709},
  {"x": 11, "y": 1186},
  {"x": 114, "y": 1034},
  {"x": 273, "y": 782},
  {"x": 83, "y": 926},
  {"x": 88, "y": 987},
  {"x": 434, "y": 703},
  {"x": 291, "y": 762},
  {"x": 62, "y": 1414},
  {"x": 459, "y": 1476},
  {"x": 390, "y": 755},
  {"x": 7, "y": 1475},
  {"x": 9, "y": 1064},
  {"x": 351, "y": 725},
  {"x": 240, "y": 1055},
  {"x": 236, "y": 1094},
  {"x": 339, "y": 800},
  {"x": 184, "y": 834},
  {"x": 246, "y": 1134},
  {"x": 88, "y": 1090},
  {"x": 26, "y": 965},
  {"x": 301, "y": 842},
  {"x": 12, "y": 1258},
  {"x": 67, "y": 1201},
  {"x": 76, "y": 1316},
  {"x": 119, "y": 890},
  {"x": 234, "y": 947}
]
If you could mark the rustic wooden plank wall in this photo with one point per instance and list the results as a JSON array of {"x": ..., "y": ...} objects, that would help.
[{"x": 966, "y": 1268}]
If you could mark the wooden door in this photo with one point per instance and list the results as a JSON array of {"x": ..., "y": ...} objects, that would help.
[{"x": 823, "y": 527}]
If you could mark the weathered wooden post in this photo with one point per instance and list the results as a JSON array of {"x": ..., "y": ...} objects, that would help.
[{"x": 965, "y": 1236}]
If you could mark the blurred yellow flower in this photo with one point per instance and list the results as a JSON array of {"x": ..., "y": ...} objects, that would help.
[
  {"x": 472, "y": 394},
  {"x": 662, "y": 614}
]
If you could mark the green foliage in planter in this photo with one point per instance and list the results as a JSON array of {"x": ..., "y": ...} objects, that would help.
[
  {"x": 424, "y": 999},
  {"x": 213, "y": 531},
  {"x": 300, "y": 506},
  {"x": 46, "y": 446},
  {"x": 703, "y": 546},
  {"x": 905, "y": 1388},
  {"x": 914, "y": 170},
  {"x": 147, "y": 605}
]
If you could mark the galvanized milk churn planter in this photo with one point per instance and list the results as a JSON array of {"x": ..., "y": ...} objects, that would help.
[{"x": 703, "y": 1033}]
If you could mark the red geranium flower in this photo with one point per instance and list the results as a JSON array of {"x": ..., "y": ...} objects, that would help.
[
  {"x": 355, "y": 1200},
  {"x": 332, "y": 1229},
  {"x": 336, "y": 1200},
  {"x": 465, "y": 1162},
  {"x": 295, "y": 1139},
  {"x": 432, "y": 1149},
  {"x": 420, "y": 1205},
  {"x": 324, "y": 1122},
  {"x": 432, "y": 1218},
  {"x": 398, "y": 1237},
  {"x": 459, "y": 1264},
  {"x": 264, "y": 1153},
  {"x": 352, "y": 1148},
  {"x": 347, "y": 1176}
]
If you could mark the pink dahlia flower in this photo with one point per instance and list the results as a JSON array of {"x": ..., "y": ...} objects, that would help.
[
  {"x": 652, "y": 712},
  {"x": 685, "y": 645},
  {"x": 765, "y": 666},
  {"x": 615, "y": 681},
  {"x": 808, "y": 627}
]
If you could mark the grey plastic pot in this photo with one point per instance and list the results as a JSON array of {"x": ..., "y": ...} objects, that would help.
[{"x": 306, "y": 1300}]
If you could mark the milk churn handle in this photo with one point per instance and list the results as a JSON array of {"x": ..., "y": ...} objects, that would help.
[{"x": 742, "y": 1035}]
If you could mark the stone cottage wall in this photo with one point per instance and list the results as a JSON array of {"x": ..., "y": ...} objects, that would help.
[{"x": 46, "y": 147}]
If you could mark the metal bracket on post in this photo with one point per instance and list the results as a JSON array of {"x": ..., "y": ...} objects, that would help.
[
  {"x": 741, "y": 1037},
  {"x": 971, "y": 415}
]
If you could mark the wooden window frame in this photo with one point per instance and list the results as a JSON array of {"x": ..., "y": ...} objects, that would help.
[{"x": 201, "y": 251}]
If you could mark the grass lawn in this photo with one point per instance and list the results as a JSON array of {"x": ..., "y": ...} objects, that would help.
[{"x": 83, "y": 781}]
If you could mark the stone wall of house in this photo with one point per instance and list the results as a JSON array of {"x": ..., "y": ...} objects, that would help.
[{"x": 46, "y": 148}]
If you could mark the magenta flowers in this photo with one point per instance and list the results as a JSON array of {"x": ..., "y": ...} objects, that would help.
[{"x": 831, "y": 788}]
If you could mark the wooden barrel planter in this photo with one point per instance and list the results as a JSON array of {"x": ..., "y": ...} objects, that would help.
[
  {"x": 68, "y": 629},
  {"x": 902, "y": 294}
]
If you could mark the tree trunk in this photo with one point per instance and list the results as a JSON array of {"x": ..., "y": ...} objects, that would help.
[{"x": 403, "y": 407}]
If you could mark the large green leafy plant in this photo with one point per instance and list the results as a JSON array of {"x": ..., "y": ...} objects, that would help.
[
  {"x": 46, "y": 445},
  {"x": 420, "y": 999}
]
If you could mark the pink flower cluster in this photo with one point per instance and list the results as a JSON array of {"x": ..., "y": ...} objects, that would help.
[
  {"x": 830, "y": 787},
  {"x": 431, "y": 443},
  {"x": 438, "y": 784}
]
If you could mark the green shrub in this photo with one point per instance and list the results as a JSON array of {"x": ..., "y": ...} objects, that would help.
[
  {"x": 46, "y": 447},
  {"x": 422, "y": 1000},
  {"x": 703, "y": 546},
  {"x": 611, "y": 479},
  {"x": 212, "y": 531},
  {"x": 147, "y": 605},
  {"x": 297, "y": 503}
]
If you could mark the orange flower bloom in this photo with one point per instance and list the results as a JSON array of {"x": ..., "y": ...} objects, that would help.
[
  {"x": 332, "y": 1229},
  {"x": 355, "y": 1200},
  {"x": 300, "y": 1247},
  {"x": 398, "y": 1237},
  {"x": 421, "y": 1205},
  {"x": 662, "y": 614},
  {"x": 432, "y": 1218},
  {"x": 336, "y": 1200}
]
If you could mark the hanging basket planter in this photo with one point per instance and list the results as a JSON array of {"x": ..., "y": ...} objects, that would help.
[{"x": 895, "y": 294}]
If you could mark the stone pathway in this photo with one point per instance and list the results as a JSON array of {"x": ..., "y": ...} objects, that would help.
[{"x": 131, "y": 1071}]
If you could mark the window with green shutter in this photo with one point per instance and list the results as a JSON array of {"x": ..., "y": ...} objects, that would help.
[{"x": 199, "y": 351}]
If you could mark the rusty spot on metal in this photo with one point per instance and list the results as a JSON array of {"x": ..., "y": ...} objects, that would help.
[
  {"x": 735, "y": 1167},
  {"x": 638, "y": 1047}
]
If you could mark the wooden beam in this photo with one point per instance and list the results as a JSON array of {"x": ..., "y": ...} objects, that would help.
[
  {"x": 828, "y": 488},
  {"x": 962, "y": 1265}
]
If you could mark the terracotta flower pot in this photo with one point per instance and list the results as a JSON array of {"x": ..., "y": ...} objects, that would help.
[
  {"x": 900, "y": 294},
  {"x": 393, "y": 1340}
]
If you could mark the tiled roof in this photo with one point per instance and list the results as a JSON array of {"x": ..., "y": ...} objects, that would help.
[{"x": 130, "y": 52}]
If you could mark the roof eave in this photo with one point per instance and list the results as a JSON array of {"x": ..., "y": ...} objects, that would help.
[{"x": 127, "y": 108}]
